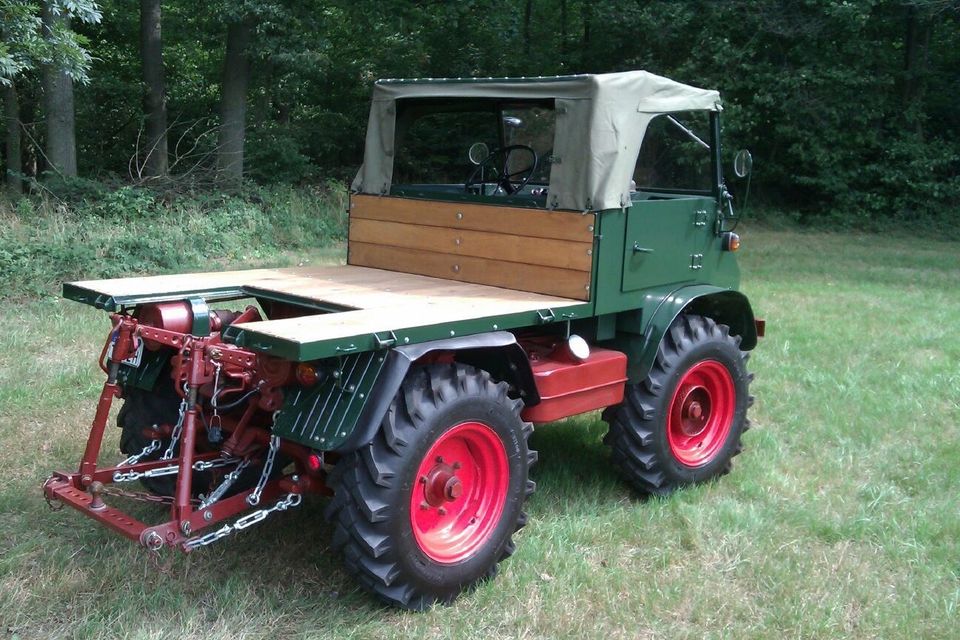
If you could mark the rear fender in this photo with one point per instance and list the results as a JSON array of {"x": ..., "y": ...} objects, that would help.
[{"x": 497, "y": 352}]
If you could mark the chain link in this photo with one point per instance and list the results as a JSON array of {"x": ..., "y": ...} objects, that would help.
[
  {"x": 228, "y": 480},
  {"x": 130, "y": 476},
  {"x": 254, "y": 498},
  {"x": 147, "y": 450},
  {"x": 200, "y": 465},
  {"x": 168, "y": 454},
  {"x": 290, "y": 500}
]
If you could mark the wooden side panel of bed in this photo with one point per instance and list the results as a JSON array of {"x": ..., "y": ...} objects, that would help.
[{"x": 547, "y": 252}]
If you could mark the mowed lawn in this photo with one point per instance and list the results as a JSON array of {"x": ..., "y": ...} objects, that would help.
[{"x": 840, "y": 519}]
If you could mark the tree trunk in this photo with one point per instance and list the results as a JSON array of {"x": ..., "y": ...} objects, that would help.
[
  {"x": 233, "y": 102},
  {"x": 154, "y": 97},
  {"x": 61, "y": 144},
  {"x": 11, "y": 117}
]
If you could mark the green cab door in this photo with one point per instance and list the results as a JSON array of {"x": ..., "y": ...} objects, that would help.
[{"x": 665, "y": 241}]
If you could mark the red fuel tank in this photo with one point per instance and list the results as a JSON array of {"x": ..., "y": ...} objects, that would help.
[{"x": 569, "y": 386}]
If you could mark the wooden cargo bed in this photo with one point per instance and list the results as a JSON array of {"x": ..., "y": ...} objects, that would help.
[{"x": 358, "y": 308}]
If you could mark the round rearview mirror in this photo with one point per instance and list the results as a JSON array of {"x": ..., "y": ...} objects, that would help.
[
  {"x": 478, "y": 152},
  {"x": 742, "y": 163}
]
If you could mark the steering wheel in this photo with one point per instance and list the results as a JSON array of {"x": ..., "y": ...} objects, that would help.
[{"x": 510, "y": 182}]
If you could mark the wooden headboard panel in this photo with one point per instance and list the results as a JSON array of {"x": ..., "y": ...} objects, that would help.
[{"x": 548, "y": 252}]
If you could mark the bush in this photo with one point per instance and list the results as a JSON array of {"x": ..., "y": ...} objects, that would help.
[{"x": 87, "y": 230}]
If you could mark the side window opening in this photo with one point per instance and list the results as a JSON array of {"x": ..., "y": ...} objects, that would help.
[{"x": 671, "y": 156}]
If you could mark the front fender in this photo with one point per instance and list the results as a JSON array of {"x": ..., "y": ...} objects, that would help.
[{"x": 725, "y": 306}]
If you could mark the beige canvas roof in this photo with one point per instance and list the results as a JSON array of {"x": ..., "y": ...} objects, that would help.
[{"x": 601, "y": 120}]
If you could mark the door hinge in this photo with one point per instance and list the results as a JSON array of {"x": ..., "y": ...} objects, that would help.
[{"x": 696, "y": 261}]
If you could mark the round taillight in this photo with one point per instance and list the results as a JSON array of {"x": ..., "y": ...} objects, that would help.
[
  {"x": 307, "y": 374},
  {"x": 314, "y": 463},
  {"x": 731, "y": 241}
]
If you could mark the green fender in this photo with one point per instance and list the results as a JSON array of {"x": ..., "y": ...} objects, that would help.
[{"x": 661, "y": 307}]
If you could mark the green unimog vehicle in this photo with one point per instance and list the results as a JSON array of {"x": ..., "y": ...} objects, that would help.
[{"x": 520, "y": 250}]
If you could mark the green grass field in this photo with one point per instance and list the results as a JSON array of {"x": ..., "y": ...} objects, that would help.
[{"x": 840, "y": 519}]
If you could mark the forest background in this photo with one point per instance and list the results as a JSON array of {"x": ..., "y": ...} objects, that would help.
[{"x": 124, "y": 109}]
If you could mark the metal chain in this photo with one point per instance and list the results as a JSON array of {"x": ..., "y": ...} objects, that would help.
[
  {"x": 130, "y": 476},
  {"x": 147, "y": 450},
  {"x": 290, "y": 500},
  {"x": 228, "y": 480},
  {"x": 168, "y": 454},
  {"x": 170, "y": 470},
  {"x": 143, "y": 497},
  {"x": 254, "y": 498}
]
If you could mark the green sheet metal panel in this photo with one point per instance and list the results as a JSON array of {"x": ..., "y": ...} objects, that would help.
[
  {"x": 323, "y": 417},
  {"x": 665, "y": 241}
]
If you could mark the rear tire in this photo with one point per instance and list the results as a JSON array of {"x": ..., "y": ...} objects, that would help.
[
  {"x": 682, "y": 425},
  {"x": 141, "y": 410},
  {"x": 427, "y": 509}
]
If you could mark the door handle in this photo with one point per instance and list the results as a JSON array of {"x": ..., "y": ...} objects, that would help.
[{"x": 638, "y": 249}]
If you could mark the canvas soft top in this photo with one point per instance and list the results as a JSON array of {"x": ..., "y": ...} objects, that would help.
[{"x": 601, "y": 120}]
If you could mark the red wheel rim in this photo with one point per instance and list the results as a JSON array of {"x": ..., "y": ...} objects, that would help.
[
  {"x": 459, "y": 492},
  {"x": 701, "y": 413}
]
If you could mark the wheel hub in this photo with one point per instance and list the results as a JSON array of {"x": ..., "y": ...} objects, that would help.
[
  {"x": 701, "y": 413},
  {"x": 460, "y": 492},
  {"x": 695, "y": 408},
  {"x": 441, "y": 484}
]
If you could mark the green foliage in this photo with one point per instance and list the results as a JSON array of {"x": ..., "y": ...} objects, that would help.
[
  {"x": 90, "y": 231},
  {"x": 848, "y": 107},
  {"x": 25, "y": 45}
]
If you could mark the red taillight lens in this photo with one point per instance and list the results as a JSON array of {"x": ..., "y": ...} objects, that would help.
[
  {"x": 314, "y": 463},
  {"x": 307, "y": 374}
]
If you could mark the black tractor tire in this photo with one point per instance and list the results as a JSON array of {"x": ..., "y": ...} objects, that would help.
[
  {"x": 143, "y": 409},
  {"x": 383, "y": 491},
  {"x": 683, "y": 424}
]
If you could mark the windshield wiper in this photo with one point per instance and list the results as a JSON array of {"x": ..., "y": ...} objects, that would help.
[{"x": 687, "y": 131}]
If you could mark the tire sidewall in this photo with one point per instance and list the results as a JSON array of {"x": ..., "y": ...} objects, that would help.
[
  {"x": 446, "y": 580},
  {"x": 728, "y": 355}
]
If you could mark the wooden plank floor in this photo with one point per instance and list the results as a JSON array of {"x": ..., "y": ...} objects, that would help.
[{"x": 380, "y": 300}]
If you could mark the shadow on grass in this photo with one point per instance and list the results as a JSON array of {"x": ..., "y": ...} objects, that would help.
[{"x": 287, "y": 561}]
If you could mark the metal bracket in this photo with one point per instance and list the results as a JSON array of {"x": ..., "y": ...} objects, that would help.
[
  {"x": 546, "y": 316},
  {"x": 696, "y": 261},
  {"x": 700, "y": 218},
  {"x": 383, "y": 343}
]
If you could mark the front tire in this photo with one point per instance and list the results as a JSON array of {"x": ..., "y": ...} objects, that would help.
[
  {"x": 427, "y": 509},
  {"x": 682, "y": 425}
]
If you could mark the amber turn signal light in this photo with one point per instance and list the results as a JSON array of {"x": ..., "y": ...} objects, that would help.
[
  {"x": 307, "y": 374},
  {"x": 731, "y": 241}
]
